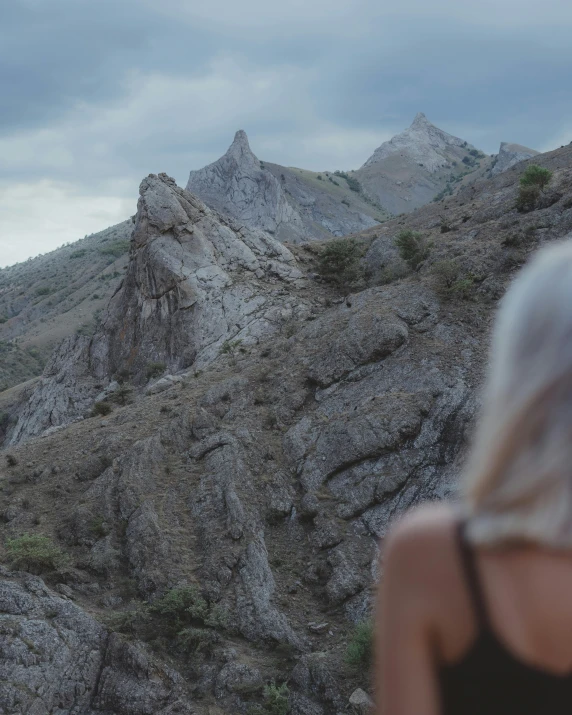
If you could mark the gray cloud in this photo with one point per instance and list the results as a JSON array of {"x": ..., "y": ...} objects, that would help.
[{"x": 96, "y": 95}]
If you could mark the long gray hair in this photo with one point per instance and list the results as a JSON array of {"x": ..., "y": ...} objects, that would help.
[{"x": 518, "y": 485}]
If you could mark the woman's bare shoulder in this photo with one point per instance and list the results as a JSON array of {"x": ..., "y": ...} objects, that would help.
[{"x": 424, "y": 532}]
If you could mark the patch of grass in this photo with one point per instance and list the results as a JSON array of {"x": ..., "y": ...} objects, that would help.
[
  {"x": 35, "y": 553},
  {"x": 359, "y": 651},
  {"x": 115, "y": 249},
  {"x": 229, "y": 347}
]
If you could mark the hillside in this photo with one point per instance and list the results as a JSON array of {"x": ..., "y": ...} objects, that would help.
[
  {"x": 55, "y": 295},
  {"x": 291, "y": 204},
  {"x": 214, "y": 529}
]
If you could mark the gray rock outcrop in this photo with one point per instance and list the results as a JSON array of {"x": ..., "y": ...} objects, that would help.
[
  {"x": 509, "y": 155},
  {"x": 56, "y": 658},
  {"x": 286, "y": 203},
  {"x": 194, "y": 282}
]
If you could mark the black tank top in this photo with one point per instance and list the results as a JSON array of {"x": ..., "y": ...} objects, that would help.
[{"x": 489, "y": 679}]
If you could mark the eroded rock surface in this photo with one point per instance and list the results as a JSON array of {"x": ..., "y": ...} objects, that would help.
[{"x": 56, "y": 658}]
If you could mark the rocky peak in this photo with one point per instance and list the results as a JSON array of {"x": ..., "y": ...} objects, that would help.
[
  {"x": 421, "y": 121},
  {"x": 241, "y": 152},
  {"x": 422, "y": 142},
  {"x": 509, "y": 155}
]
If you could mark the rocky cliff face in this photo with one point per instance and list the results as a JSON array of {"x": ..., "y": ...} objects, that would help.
[
  {"x": 509, "y": 155},
  {"x": 221, "y": 530},
  {"x": 195, "y": 281},
  {"x": 409, "y": 170},
  {"x": 289, "y": 204}
]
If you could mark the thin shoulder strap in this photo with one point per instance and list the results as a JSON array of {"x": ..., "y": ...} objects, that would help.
[{"x": 471, "y": 575}]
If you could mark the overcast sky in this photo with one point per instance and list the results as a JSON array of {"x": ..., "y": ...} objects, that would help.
[{"x": 98, "y": 93}]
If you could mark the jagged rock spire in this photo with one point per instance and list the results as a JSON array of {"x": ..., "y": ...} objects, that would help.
[
  {"x": 240, "y": 149},
  {"x": 420, "y": 120}
]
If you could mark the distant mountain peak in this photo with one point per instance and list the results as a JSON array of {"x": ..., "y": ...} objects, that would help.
[
  {"x": 423, "y": 142},
  {"x": 240, "y": 149},
  {"x": 421, "y": 121}
]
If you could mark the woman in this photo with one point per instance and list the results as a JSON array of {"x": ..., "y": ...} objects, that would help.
[{"x": 475, "y": 608}]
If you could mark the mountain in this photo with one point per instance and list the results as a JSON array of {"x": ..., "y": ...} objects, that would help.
[
  {"x": 409, "y": 170},
  {"x": 291, "y": 204},
  {"x": 194, "y": 496},
  {"x": 509, "y": 155}
]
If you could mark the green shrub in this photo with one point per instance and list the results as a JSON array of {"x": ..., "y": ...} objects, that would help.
[
  {"x": 198, "y": 639},
  {"x": 446, "y": 274},
  {"x": 339, "y": 261},
  {"x": 319, "y": 177},
  {"x": 127, "y": 621},
  {"x": 44, "y": 290},
  {"x": 155, "y": 369},
  {"x": 527, "y": 199},
  {"x": 78, "y": 254},
  {"x": 536, "y": 176},
  {"x": 353, "y": 183},
  {"x": 101, "y": 409},
  {"x": 11, "y": 460},
  {"x": 412, "y": 247},
  {"x": 513, "y": 240},
  {"x": 181, "y": 614},
  {"x": 180, "y": 604},
  {"x": 463, "y": 288},
  {"x": 359, "y": 651},
  {"x": 34, "y": 552},
  {"x": 122, "y": 395},
  {"x": 276, "y": 701}
]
